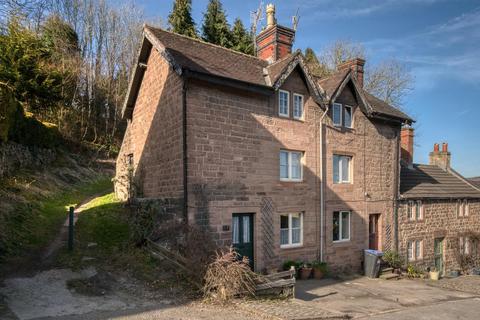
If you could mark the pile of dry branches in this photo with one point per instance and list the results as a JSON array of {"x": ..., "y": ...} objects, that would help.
[{"x": 229, "y": 276}]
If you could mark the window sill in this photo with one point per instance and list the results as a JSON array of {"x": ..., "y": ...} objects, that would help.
[
  {"x": 342, "y": 183},
  {"x": 291, "y": 180},
  {"x": 341, "y": 241},
  {"x": 291, "y": 246},
  {"x": 284, "y": 115}
]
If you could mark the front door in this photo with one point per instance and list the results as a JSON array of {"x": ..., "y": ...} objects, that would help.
[
  {"x": 242, "y": 235},
  {"x": 438, "y": 254},
  {"x": 373, "y": 240}
]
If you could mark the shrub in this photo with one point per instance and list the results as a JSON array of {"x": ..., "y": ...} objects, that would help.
[
  {"x": 393, "y": 259},
  {"x": 320, "y": 265},
  {"x": 228, "y": 276},
  {"x": 413, "y": 272},
  {"x": 288, "y": 264}
]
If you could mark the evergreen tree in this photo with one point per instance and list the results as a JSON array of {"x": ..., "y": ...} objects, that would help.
[
  {"x": 180, "y": 19},
  {"x": 215, "y": 27},
  {"x": 241, "y": 39},
  {"x": 314, "y": 64}
]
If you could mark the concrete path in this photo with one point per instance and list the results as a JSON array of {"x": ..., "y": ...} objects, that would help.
[
  {"x": 363, "y": 297},
  {"x": 463, "y": 309}
]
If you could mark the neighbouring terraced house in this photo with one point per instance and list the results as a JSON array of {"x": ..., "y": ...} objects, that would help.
[{"x": 267, "y": 157}]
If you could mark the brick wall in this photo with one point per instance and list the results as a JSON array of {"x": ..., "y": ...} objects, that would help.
[
  {"x": 439, "y": 221},
  {"x": 154, "y": 134},
  {"x": 234, "y": 141},
  {"x": 373, "y": 146}
]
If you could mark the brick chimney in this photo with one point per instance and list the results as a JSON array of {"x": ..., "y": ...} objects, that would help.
[
  {"x": 274, "y": 42},
  {"x": 440, "y": 158},
  {"x": 356, "y": 65},
  {"x": 406, "y": 141}
]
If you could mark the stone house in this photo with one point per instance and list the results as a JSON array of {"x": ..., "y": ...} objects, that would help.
[
  {"x": 439, "y": 211},
  {"x": 267, "y": 157}
]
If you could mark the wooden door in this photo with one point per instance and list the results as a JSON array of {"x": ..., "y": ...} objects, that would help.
[
  {"x": 242, "y": 235},
  {"x": 438, "y": 254},
  {"x": 373, "y": 231}
]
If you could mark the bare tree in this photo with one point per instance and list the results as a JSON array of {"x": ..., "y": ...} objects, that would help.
[{"x": 388, "y": 80}]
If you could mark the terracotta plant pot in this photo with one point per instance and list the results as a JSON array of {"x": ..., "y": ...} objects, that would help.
[
  {"x": 318, "y": 274},
  {"x": 305, "y": 273}
]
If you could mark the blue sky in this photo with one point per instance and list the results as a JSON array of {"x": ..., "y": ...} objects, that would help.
[{"x": 437, "y": 40}]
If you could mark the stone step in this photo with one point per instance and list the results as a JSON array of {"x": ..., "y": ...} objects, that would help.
[
  {"x": 389, "y": 276},
  {"x": 386, "y": 270}
]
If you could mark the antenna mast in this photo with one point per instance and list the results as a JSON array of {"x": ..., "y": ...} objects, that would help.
[{"x": 295, "y": 20}]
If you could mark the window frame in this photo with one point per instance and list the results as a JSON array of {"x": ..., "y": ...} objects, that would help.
[
  {"x": 290, "y": 244},
  {"x": 412, "y": 246},
  {"x": 340, "y": 226},
  {"x": 290, "y": 165},
  {"x": 340, "y": 106},
  {"x": 286, "y": 115},
  {"x": 415, "y": 210},
  {"x": 302, "y": 109},
  {"x": 345, "y": 107},
  {"x": 340, "y": 169}
]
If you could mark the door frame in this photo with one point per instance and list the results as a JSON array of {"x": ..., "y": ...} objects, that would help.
[
  {"x": 442, "y": 256},
  {"x": 378, "y": 228},
  {"x": 252, "y": 216}
]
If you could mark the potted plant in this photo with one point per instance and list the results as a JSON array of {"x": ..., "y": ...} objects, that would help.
[
  {"x": 434, "y": 274},
  {"x": 319, "y": 269},
  {"x": 291, "y": 263},
  {"x": 305, "y": 271}
]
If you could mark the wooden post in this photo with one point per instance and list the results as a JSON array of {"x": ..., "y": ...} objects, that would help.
[{"x": 70, "y": 229}]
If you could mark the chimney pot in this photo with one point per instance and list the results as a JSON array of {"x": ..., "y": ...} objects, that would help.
[
  {"x": 270, "y": 15},
  {"x": 440, "y": 159}
]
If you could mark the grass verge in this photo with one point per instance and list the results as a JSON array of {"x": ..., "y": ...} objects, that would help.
[{"x": 103, "y": 239}]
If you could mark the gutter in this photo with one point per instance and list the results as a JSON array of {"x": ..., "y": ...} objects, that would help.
[{"x": 322, "y": 182}]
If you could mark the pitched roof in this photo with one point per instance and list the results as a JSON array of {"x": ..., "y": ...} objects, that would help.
[
  {"x": 376, "y": 106},
  {"x": 330, "y": 84},
  {"x": 199, "y": 56},
  {"x": 475, "y": 181},
  {"x": 428, "y": 181},
  {"x": 382, "y": 108}
]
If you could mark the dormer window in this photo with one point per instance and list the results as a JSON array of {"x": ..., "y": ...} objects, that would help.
[
  {"x": 283, "y": 103},
  {"x": 297, "y": 106},
  {"x": 342, "y": 115},
  {"x": 337, "y": 114}
]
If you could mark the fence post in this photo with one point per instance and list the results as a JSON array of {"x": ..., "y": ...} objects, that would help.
[{"x": 70, "y": 229}]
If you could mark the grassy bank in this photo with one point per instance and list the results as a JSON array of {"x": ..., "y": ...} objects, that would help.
[
  {"x": 103, "y": 239},
  {"x": 36, "y": 220}
]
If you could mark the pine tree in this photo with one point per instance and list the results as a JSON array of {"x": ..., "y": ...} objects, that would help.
[
  {"x": 314, "y": 65},
  {"x": 241, "y": 39},
  {"x": 180, "y": 19},
  {"x": 215, "y": 27}
]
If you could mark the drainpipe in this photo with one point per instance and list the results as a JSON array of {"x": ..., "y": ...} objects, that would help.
[
  {"x": 185, "y": 158},
  {"x": 322, "y": 182},
  {"x": 396, "y": 196}
]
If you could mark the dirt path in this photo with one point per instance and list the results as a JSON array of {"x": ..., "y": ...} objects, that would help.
[{"x": 51, "y": 251}]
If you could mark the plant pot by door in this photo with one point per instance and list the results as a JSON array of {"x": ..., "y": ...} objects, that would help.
[
  {"x": 318, "y": 274},
  {"x": 434, "y": 275},
  {"x": 305, "y": 273}
]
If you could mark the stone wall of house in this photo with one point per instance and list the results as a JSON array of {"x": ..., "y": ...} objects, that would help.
[
  {"x": 234, "y": 141},
  {"x": 153, "y": 139},
  {"x": 440, "y": 220},
  {"x": 373, "y": 146}
]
